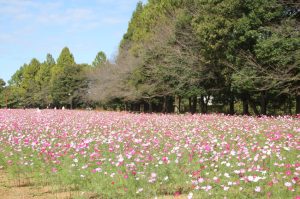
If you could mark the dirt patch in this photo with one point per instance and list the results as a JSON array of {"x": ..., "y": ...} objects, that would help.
[{"x": 24, "y": 189}]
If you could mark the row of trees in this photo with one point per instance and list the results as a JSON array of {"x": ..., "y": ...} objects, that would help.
[
  {"x": 232, "y": 56},
  {"x": 49, "y": 84}
]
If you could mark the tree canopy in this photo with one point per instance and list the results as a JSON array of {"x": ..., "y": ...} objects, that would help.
[
  {"x": 229, "y": 56},
  {"x": 238, "y": 56},
  {"x": 100, "y": 59},
  {"x": 49, "y": 84}
]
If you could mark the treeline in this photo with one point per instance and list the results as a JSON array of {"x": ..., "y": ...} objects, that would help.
[
  {"x": 228, "y": 56},
  {"x": 50, "y": 84}
]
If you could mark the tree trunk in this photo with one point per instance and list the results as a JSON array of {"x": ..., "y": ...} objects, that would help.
[
  {"x": 164, "y": 110},
  {"x": 297, "y": 104},
  {"x": 194, "y": 106},
  {"x": 202, "y": 105},
  {"x": 231, "y": 104},
  {"x": 142, "y": 107},
  {"x": 177, "y": 104},
  {"x": 289, "y": 104},
  {"x": 190, "y": 104},
  {"x": 253, "y": 106},
  {"x": 170, "y": 102},
  {"x": 263, "y": 103},
  {"x": 206, "y": 104},
  {"x": 150, "y": 106},
  {"x": 245, "y": 100}
]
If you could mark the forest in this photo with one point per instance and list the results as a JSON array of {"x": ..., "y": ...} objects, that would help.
[{"x": 177, "y": 56}]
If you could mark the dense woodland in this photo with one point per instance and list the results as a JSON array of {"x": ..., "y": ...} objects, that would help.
[{"x": 226, "y": 56}]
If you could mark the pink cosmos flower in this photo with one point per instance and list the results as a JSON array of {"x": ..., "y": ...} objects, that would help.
[
  {"x": 288, "y": 173},
  {"x": 257, "y": 189},
  {"x": 207, "y": 148},
  {"x": 54, "y": 170}
]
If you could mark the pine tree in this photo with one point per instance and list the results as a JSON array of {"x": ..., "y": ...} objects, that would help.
[{"x": 100, "y": 59}]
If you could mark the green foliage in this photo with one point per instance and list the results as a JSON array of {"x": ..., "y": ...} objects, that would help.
[
  {"x": 100, "y": 59},
  {"x": 49, "y": 84},
  {"x": 2, "y": 94},
  {"x": 2, "y": 84},
  {"x": 65, "y": 58},
  {"x": 69, "y": 85},
  {"x": 225, "y": 49},
  {"x": 29, "y": 83},
  {"x": 228, "y": 50},
  {"x": 50, "y": 60},
  {"x": 43, "y": 78}
]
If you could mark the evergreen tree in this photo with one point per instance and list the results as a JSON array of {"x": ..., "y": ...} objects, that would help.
[
  {"x": 100, "y": 59},
  {"x": 65, "y": 58},
  {"x": 29, "y": 83},
  {"x": 50, "y": 60},
  {"x": 69, "y": 88},
  {"x": 43, "y": 80},
  {"x": 2, "y": 84}
]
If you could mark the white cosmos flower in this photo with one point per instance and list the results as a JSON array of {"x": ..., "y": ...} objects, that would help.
[
  {"x": 257, "y": 189},
  {"x": 84, "y": 166},
  {"x": 200, "y": 180},
  {"x": 288, "y": 184},
  {"x": 190, "y": 196},
  {"x": 286, "y": 148},
  {"x": 139, "y": 190}
]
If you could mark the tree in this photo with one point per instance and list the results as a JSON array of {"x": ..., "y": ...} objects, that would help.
[
  {"x": 2, "y": 85},
  {"x": 100, "y": 59},
  {"x": 277, "y": 59},
  {"x": 70, "y": 86},
  {"x": 15, "y": 87},
  {"x": 29, "y": 83},
  {"x": 43, "y": 79},
  {"x": 65, "y": 58},
  {"x": 50, "y": 60},
  {"x": 2, "y": 88}
]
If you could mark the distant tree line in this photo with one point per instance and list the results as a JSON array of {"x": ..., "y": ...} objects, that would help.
[
  {"x": 49, "y": 84},
  {"x": 227, "y": 56}
]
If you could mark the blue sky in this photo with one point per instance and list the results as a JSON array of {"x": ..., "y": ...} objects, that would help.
[{"x": 32, "y": 28}]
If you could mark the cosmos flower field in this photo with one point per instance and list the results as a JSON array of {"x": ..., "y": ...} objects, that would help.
[{"x": 125, "y": 155}]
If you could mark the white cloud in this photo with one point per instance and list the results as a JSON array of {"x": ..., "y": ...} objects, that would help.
[
  {"x": 20, "y": 10},
  {"x": 72, "y": 15},
  {"x": 112, "y": 20},
  {"x": 31, "y": 28},
  {"x": 18, "y": 2}
]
